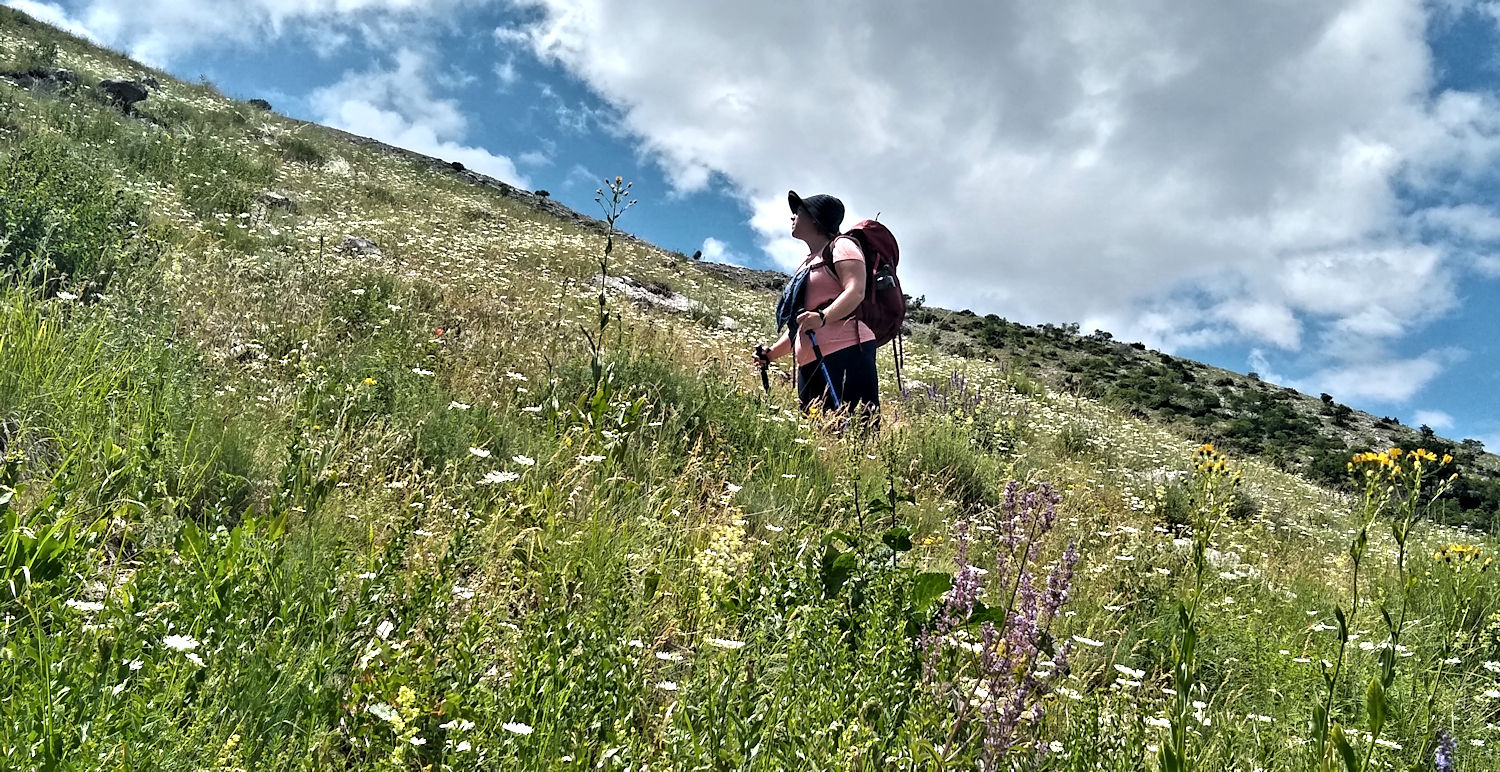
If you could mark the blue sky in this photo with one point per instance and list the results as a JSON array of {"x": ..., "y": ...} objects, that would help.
[{"x": 1308, "y": 191}]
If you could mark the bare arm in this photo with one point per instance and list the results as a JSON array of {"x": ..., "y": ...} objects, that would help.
[{"x": 852, "y": 278}]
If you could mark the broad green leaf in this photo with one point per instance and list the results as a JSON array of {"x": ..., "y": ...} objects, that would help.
[
  {"x": 898, "y": 539},
  {"x": 927, "y": 589},
  {"x": 190, "y": 541},
  {"x": 1375, "y": 705},
  {"x": 1346, "y": 752}
]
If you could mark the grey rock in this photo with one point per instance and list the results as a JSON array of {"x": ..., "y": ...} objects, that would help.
[
  {"x": 124, "y": 93},
  {"x": 360, "y": 246},
  {"x": 273, "y": 200},
  {"x": 45, "y": 80},
  {"x": 260, "y": 104}
]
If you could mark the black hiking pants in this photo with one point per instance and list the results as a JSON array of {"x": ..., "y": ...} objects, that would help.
[{"x": 854, "y": 381}]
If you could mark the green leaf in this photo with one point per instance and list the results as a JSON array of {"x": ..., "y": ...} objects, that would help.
[
  {"x": 898, "y": 539},
  {"x": 1375, "y": 705},
  {"x": 1169, "y": 760},
  {"x": 927, "y": 589},
  {"x": 983, "y": 613},
  {"x": 1346, "y": 752},
  {"x": 653, "y": 580},
  {"x": 837, "y": 567},
  {"x": 848, "y": 539},
  {"x": 191, "y": 541}
]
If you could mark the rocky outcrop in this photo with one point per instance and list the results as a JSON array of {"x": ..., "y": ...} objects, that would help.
[
  {"x": 46, "y": 80},
  {"x": 124, "y": 94},
  {"x": 657, "y": 296}
]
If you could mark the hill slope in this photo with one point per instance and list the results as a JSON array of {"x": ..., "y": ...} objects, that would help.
[{"x": 319, "y": 455}]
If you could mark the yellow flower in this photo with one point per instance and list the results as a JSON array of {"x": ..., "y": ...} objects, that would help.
[{"x": 369, "y": 381}]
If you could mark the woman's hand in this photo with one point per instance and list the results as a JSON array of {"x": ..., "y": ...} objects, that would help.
[{"x": 811, "y": 320}]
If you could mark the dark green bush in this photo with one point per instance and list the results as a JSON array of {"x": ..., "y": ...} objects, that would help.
[
  {"x": 61, "y": 217},
  {"x": 298, "y": 149}
]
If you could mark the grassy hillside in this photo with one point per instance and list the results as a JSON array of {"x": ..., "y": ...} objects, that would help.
[
  {"x": 319, "y": 456},
  {"x": 1314, "y": 436}
]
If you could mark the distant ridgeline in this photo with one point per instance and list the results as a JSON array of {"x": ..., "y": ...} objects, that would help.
[{"x": 1313, "y": 436}]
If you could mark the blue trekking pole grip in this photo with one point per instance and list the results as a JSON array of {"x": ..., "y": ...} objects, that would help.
[{"x": 828, "y": 379}]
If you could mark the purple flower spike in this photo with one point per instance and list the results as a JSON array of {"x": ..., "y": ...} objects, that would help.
[
  {"x": 1003, "y": 669},
  {"x": 1443, "y": 755}
]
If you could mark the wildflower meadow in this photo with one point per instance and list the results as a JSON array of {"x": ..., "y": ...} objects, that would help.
[{"x": 315, "y": 456}]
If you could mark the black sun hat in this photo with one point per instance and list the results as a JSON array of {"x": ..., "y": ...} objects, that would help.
[{"x": 826, "y": 210}]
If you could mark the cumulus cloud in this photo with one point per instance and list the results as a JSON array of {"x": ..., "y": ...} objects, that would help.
[
  {"x": 51, "y": 13},
  {"x": 1435, "y": 419},
  {"x": 716, "y": 251},
  {"x": 398, "y": 106},
  {"x": 1179, "y": 174},
  {"x": 1469, "y": 222},
  {"x": 1272, "y": 322},
  {"x": 156, "y": 31},
  {"x": 1391, "y": 381}
]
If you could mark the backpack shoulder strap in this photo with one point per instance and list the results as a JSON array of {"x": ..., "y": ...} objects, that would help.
[{"x": 827, "y": 252}]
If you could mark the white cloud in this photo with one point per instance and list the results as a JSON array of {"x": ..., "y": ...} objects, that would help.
[
  {"x": 1390, "y": 381},
  {"x": 1261, "y": 366},
  {"x": 1470, "y": 222},
  {"x": 534, "y": 158},
  {"x": 399, "y": 107},
  {"x": 157, "y": 31},
  {"x": 1261, "y": 320},
  {"x": 1492, "y": 10},
  {"x": 716, "y": 251},
  {"x": 1181, "y": 174},
  {"x": 51, "y": 13},
  {"x": 1436, "y": 419}
]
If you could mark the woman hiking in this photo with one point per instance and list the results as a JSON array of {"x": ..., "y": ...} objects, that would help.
[{"x": 817, "y": 308}]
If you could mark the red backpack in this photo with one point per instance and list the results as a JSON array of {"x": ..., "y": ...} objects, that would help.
[{"x": 884, "y": 307}]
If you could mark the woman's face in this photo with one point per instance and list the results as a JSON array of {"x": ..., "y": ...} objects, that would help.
[{"x": 803, "y": 225}]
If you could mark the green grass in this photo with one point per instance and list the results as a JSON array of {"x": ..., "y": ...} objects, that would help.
[{"x": 406, "y": 526}]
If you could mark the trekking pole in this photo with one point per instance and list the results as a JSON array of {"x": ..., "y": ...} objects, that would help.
[
  {"x": 765, "y": 364},
  {"x": 828, "y": 379}
]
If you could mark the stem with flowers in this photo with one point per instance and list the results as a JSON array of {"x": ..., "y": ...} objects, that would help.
[
  {"x": 1411, "y": 472},
  {"x": 1213, "y": 490},
  {"x": 1016, "y": 662},
  {"x": 614, "y": 204},
  {"x": 1392, "y": 480}
]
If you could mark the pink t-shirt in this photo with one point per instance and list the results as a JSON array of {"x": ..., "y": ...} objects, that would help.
[{"x": 823, "y": 287}]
